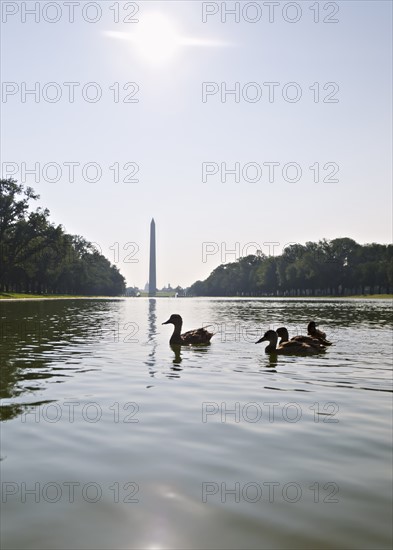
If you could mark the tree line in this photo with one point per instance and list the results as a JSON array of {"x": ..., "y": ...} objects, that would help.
[
  {"x": 37, "y": 256},
  {"x": 338, "y": 267}
]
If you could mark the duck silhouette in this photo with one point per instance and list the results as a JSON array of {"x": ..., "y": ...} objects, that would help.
[
  {"x": 282, "y": 332},
  {"x": 318, "y": 334},
  {"x": 198, "y": 336},
  {"x": 292, "y": 347}
]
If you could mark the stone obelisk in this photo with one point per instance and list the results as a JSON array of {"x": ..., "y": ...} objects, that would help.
[{"x": 152, "y": 268}]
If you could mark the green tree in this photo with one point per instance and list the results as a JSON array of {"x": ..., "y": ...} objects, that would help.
[{"x": 38, "y": 256}]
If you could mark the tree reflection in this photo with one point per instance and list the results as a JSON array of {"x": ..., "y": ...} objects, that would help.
[{"x": 44, "y": 341}]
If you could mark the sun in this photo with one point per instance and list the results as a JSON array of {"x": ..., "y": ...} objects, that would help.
[{"x": 156, "y": 38}]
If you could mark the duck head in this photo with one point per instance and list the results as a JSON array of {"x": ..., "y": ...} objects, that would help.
[
  {"x": 174, "y": 319},
  {"x": 311, "y": 326},
  {"x": 269, "y": 336},
  {"x": 283, "y": 333}
]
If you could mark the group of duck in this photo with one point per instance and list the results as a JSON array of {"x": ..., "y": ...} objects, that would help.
[{"x": 314, "y": 342}]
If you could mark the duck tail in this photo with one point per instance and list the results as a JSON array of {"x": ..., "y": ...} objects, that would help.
[
  {"x": 212, "y": 333},
  {"x": 326, "y": 342}
]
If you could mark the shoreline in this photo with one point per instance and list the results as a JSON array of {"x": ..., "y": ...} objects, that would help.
[
  {"x": 20, "y": 297},
  {"x": 10, "y": 296}
]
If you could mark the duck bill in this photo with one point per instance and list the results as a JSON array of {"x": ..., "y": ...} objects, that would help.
[
  {"x": 261, "y": 340},
  {"x": 166, "y": 322}
]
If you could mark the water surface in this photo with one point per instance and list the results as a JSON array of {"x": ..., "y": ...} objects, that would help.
[{"x": 111, "y": 439}]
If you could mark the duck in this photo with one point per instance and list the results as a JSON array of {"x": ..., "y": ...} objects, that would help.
[
  {"x": 282, "y": 332},
  {"x": 318, "y": 334},
  {"x": 292, "y": 347},
  {"x": 198, "y": 336}
]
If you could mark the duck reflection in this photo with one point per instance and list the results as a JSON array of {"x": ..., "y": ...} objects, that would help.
[
  {"x": 178, "y": 358},
  {"x": 269, "y": 362},
  {"x": 180, "y": 352},
  {"x": 176, "y": 369}
]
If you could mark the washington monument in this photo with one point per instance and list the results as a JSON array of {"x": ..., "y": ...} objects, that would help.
[{"x": 152, "y": 268}]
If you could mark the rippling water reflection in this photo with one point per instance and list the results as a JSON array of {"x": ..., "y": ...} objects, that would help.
[{"x": 207, "y": 447}]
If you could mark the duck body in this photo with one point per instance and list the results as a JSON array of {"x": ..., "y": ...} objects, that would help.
[
  {"x": 282, "y": 332},
  {"x": 192, "y": 337},
  {"x": 291, "y": 347},
  {"x": 317, "y": 334}
]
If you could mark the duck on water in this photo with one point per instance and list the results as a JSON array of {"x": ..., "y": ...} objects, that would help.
[
  {"x": 198, "y": 336},
  {"x": 318, "y": 334},
  {"x": 291, "y": 347},
  {"x": 282, "y": 332}
]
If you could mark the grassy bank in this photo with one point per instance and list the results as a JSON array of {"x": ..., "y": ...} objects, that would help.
[
  {"x": 18, "y": 296},
  {"x": 372, "y": 296},
  {"x": 22, "y": 296},
  {"x": 362, "y": 296},
  {"x": 159, "y": 294}
]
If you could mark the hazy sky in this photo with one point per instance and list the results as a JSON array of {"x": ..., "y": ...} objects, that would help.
[{"x": 178, "y": 144}]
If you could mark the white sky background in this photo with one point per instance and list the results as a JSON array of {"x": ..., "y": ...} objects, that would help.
[{"x": 170, "y": 132}]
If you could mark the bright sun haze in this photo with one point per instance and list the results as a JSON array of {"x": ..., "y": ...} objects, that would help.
[{"x": 156, "y": 38}]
